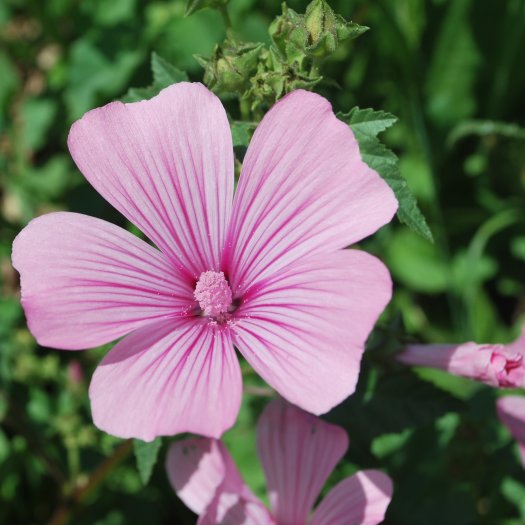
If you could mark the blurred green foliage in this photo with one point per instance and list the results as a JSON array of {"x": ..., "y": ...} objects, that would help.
[{"x": 452, "y": 71}]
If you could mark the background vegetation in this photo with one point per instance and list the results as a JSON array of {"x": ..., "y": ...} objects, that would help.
[{"x": 453, "y": 72}]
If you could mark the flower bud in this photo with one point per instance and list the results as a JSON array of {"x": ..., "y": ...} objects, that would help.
[
  {"x": 326, "y": 29},
  {"x": 289, "y": 35},
  {"x": 495, "y": 365},
  {"x": 231, "y": 66}
]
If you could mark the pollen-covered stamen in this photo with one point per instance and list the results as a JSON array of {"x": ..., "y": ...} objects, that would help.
[{"x": 213, "y": 293}]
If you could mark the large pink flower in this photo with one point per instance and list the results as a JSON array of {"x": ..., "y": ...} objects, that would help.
[
  {"x": 496, "y": 365},
  {"x": 298, "y": 452},
  {"x": 264, "y": 270}
]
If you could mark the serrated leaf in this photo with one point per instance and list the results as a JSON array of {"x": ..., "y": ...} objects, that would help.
[
  {"x": 368, "y": 120},
  {"x": 146, "y": 454},
  {"x": 241, "y": 133},
  {"x": 366, "y": 125},
  {"x": 164, "y": 73}
]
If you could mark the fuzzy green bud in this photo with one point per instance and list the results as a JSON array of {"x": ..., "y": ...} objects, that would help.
[
  {"x": 289, "y": 35},
  {"x": 230, "y": 67},
  {"x": 326, "y": 29}
]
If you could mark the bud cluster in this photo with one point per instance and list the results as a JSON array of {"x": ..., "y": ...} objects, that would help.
[{"x": 259, "y": 75}]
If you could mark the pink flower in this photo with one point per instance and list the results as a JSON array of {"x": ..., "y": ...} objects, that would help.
[
  {"x": 496, "y": 365},
  {"x": 511, "y": 412},
  {"x": 264, "y": 270},
  {"x": 298, "y": 452}
]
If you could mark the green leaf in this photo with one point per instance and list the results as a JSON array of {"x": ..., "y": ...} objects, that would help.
[
  {"x": 368, "y": 121},
  {"x": 164, "y": 73},
  {"x": 241, "y": 132},
  {"x": 137, "y": 94},
  {"x": 416, "y": 263},
  {"x": 146, "y": 454},
  {"x": 366, "y": 125},
  {"x": 453, "y": 68},
  {"x": 196, "y": 5}
]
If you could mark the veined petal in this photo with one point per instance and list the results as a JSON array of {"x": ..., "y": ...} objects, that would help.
[
  {"x": 298, "y": 452},
  {"x": 304, "y": 329},
  {"x": 167, "y": 165},
  {"x": 511, "y": 412},
  {"x": 360, "y": 500},
  {"x": 86, "y": 282},
  {"x": 303, "y": 190},
  {"x": 197, "y": 467},
  {"x": 229, "y": 508},
  {"x": 205, "y": 477},
  {"x": 170, "y": 377}
]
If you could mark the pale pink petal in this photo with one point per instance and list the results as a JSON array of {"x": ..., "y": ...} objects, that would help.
[
  {"x": 229, "y": 508},
  {"x": 298, "y": 452},
  {"x": 303, "y": 190},
  {"x": 304, "y": 329},
  {"x": 197, "y": 467},
  {"x": 495, "y": 365},
  {"x": 511, "y": 412},
  {"x": 86, "y": 282},
  {"x": 171, "y": 377},
  {"x": 359, "y": 500},
  {"x": 167, "y": 165}
]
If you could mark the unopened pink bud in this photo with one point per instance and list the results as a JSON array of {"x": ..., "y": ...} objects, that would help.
[{"x": 495, "y": 365}]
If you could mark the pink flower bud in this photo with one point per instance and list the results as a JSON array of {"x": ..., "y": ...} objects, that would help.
[{"x": 495, "y": 365}]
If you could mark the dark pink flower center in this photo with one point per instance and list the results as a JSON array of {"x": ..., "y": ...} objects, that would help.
[{"x": 213, "y": 294}]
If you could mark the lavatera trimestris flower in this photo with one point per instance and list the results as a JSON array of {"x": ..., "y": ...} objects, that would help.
[
  {"x": 263, "y": 270},
  {"x": 298, "y": 452}
]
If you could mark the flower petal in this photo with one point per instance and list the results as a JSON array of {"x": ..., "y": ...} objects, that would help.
[
  {"x": 361, "y": 500},
  {"x": 86, "y": 282},
  {"x": 511, "y": 412},
  {"x": 167, "y": 165},
  {"x": 298, "y": 452},
  {"x": 304, "y": 329},
  {"x": 180, "y": 375},
  {"x": 197, "y": 467},
  {"x": 303, "y": 190},
  {"x": 205, "y": 477},
  {"x": 232, "y": 509}
]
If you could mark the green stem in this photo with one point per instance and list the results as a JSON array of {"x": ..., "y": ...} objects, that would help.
[
  {"x": 226, "y": 18},
  {"x": 64, "y": 513}
]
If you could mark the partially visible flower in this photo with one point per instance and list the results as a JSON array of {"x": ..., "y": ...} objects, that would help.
[
  {"x": 511, "y": 412},
  {"x": 263, "y": 270},
  {"x": 495, "y": 365},
  {"x": 298, "y": 452}
]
